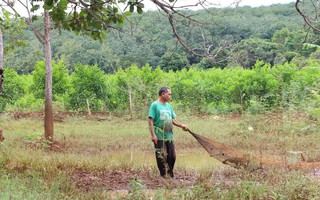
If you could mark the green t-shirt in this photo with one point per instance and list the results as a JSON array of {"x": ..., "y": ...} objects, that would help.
[{"x": 162, "y": 115}]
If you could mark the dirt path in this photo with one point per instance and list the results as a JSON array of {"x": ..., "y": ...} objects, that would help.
[{"x": 127, "y": 179}]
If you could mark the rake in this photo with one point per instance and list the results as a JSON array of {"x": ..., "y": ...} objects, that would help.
[
  {"x": 224, "y": 153},
  {"x": 238, "y": 158}
]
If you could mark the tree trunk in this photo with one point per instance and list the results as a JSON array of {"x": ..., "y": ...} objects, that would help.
[
  {"x": 88, "y": 107},
  {"x": 130, "y": 103},
  {"x": 48, "y": 118},
  {"x": 105, "y": 104},
  {"x": 1, "y": 59},
  {"x": 1, "y": 71}
]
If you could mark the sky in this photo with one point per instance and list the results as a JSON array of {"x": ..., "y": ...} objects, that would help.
[
  {"x": 256, "y": 3},
  {"x": 218, "y": 3},
  {"x": 223, "y": 3}
]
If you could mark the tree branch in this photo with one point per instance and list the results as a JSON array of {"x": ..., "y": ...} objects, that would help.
[
  {"x": 39, "y": 36},
  {"x": 28, "y": 20},
  {"x": 305, "y": 17},
  {"x": 182, "y": 42},
  {"x": 88, "y": 9},
  {"x": 172, "y": 10}
]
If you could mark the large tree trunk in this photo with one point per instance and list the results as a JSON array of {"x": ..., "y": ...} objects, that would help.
[
  {"x": 48, "y": 119},
  {"x": 1, "y": 71},
  {"x": 1, "y": 59}
]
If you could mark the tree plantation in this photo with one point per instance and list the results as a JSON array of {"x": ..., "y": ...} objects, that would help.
[{"x": 213, "y": 91}]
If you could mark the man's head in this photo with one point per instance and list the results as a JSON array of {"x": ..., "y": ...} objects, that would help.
[{"x": 165, "y": 94}]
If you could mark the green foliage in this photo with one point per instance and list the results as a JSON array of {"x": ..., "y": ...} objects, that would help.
[
  {"x": 11, "y": 28},
  {"x": 230, "y": 90},
  {"x": 28, "y": 103},
  {"x": 60, "y": 80},
  {"x": 87, "y": 83},
  {"x": 174, "y": 61},
  {"x": 291, "y": 42},
  {"x": 136, "y": 191},
  {"x": 95, "y": 21},
  {"x": 13, "y": 88},
  {"x": 139, "y": 85},
  {"x": 253, "y": 49}
]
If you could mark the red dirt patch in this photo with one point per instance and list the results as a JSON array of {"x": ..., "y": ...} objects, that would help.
[
  {"x": 123, "y": 180},
  {"x": 60, "y": 116}
]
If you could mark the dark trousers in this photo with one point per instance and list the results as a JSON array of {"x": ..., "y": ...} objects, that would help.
[{"x": 165, "y": 155}]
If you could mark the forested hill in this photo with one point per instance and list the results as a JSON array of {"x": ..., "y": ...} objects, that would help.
[{"x": 240, "y": 36}]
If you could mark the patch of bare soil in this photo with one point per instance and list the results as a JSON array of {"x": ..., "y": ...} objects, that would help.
[
  {"x": 57, "y": 117},
  {"x": 60, "y": 116},
  {"x": 124, "y": 180},
  {"x": 23, "y": 115}
]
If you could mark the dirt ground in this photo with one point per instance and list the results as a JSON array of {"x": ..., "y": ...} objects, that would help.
[{"x": 127, "y": 179}]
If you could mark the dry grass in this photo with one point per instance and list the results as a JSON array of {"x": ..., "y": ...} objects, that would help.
[{"x": 101, "y": 148}]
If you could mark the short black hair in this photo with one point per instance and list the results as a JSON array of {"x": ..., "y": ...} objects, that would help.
[{"x": 163, "y": 89}]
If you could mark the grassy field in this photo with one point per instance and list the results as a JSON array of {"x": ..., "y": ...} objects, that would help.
[{"x": 106, "y": 157}]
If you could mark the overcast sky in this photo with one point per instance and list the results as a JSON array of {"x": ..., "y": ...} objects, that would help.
[
  {"x": 218, "y": 3},
  {"x": 253, "y": 3},
  {"x": 256, "y": 3}
]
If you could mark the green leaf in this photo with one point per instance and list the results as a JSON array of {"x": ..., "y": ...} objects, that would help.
[
  {"x": 6, "y": 14},
  {"x": 140, "y": 5},
  {"x": 127, "y": 13},
  {"x": 139, "y": 10},
  {"x": 63, "y": 4},
  {"x": 34, "y": 8},
  {"x": 48, "y": 3},
  {"x": 131, "y": 8},
  {"x": 47, "y": 7}
]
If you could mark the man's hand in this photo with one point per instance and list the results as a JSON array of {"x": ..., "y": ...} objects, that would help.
[
  {"x": 154, "y": 139},
  {"x": 184, "y": 127}
]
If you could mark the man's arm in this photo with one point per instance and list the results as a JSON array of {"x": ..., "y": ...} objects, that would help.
[
  {"x": 153, "y": 135},
  {"x": 183, "y": 126}
]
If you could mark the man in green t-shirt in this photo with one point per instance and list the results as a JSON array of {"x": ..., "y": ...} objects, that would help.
[{"x": 161, "y": 121}]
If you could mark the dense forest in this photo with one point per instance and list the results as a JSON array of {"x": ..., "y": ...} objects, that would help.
[
  {"x": 274, "y": 34},
  {"x": 265, "y": 59}
]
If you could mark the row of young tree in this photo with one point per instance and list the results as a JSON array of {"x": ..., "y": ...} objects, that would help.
[{"x": 131, "y": 91}]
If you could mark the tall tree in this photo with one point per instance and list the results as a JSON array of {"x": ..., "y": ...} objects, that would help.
[{"x": 44, "y": 39}]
